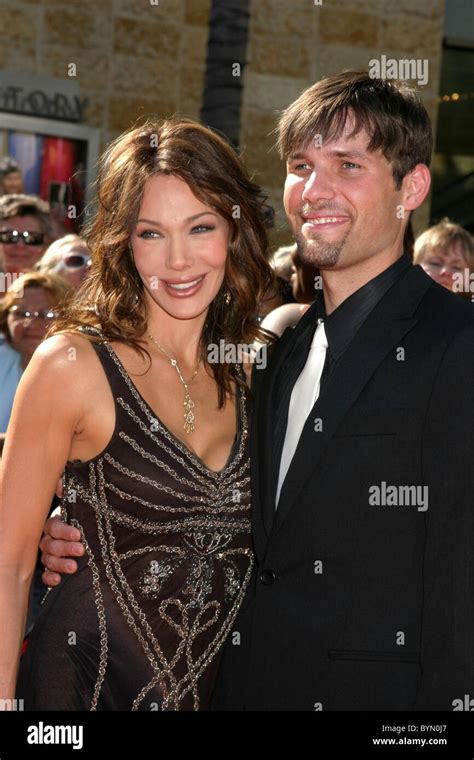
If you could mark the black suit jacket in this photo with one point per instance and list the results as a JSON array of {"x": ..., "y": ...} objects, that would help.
[{"x": 353, "y": 605}]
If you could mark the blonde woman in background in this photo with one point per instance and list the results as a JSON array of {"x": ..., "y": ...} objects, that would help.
[
  {"x": 70, "y": 257},
  {"x": 445, "y": 251}
]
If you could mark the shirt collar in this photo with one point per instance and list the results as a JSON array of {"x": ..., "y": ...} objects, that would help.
[{"x": 343, "y": 323}]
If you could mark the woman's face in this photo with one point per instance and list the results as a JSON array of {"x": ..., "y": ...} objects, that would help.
[
  {"x": 70, "y": 267},
  {"x": 441, "y": 264},
  {"x": 28, "y": 332},
  {"x": 180, "y": 247}
]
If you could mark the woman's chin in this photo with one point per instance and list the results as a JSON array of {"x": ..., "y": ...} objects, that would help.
[{"x": 186, "y": 308}]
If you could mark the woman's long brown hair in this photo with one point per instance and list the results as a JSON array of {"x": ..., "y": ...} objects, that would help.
[{"x": 111, "y": 299}]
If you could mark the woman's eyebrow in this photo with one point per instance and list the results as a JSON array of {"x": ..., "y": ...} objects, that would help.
[{"x": 155, "y": 223}]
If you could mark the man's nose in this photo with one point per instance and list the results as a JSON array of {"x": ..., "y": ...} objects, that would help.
[{"x": 318, "y": 185}]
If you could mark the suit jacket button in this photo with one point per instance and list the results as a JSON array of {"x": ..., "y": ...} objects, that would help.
[{"x": 267, "y": 577}]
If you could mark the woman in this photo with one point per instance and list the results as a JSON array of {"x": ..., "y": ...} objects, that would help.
[
  {"x": 151, "y": 437},
  {"x": 26, "y": 311},
  {"x": 69, "y": 257},
  {"x": 446, "y": 253}
]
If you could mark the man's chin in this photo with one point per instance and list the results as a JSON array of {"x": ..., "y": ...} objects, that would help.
[{"x": 319, "y": 254}]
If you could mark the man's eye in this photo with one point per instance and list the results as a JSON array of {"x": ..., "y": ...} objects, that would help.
[
  {"x": 203, "y": 228},
  {"x": 351, "y": 165},
  {"x": 300, "y": 167},
  {"x": 148, "y": 234}
]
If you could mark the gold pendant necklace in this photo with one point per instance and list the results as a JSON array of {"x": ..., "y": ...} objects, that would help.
[{"x": 188, "y": 403}]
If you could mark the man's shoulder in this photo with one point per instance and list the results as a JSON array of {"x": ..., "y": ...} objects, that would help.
[{"x": 450, "y": 311}]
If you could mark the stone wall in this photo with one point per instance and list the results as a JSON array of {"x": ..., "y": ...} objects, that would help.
[{"x": 134, "y": 58}]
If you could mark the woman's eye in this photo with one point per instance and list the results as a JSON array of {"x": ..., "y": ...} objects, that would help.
[
  {"x": 202, "y": 228},
  {"x": 148, "y": 234},
  {"x": 435, "y": 264}
]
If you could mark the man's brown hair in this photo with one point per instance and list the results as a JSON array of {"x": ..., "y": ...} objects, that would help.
[{"x": 390, "y": 112}]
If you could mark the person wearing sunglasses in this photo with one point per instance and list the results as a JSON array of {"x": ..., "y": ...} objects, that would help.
[
  {"x": 26, "y": 312},
  {"x": 24, "y": 234},
  {"x": 70, "y": 257}
]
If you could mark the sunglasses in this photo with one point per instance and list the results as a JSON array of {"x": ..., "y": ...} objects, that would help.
[
  {"x": 76, "y": 260},
  {"x": 18, "y": 313},
  {"x": 11, "y": 237}
]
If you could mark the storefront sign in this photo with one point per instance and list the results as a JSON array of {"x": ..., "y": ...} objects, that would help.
[{"x": 35, "y": 95}]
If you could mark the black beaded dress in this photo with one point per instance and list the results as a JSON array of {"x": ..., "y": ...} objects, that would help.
[{"x": 168, "y": 558}]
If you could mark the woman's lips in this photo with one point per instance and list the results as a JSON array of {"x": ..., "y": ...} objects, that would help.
[{"x": 180, "y": 289}]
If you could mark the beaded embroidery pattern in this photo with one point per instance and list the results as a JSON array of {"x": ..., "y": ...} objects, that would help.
[{"x": 190, "y": 531}]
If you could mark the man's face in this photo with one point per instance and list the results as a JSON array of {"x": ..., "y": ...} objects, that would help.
[
  {"x": 18, "y": 256},
  {"x": 341, "y": 202}
]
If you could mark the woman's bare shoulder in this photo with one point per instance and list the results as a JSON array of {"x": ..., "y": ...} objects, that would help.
[
  {"x": 63, "y": 361},
  {"x": 65, "y": 345}
]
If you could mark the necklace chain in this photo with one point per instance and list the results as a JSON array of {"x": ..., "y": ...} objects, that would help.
[{"x": 188, "y": 403}]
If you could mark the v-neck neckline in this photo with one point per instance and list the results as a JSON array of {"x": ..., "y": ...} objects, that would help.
[{"x": 178, "y": 441}]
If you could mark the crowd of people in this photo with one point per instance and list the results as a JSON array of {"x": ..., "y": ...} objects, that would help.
[
  {"x": 38, "y": 274},
  {"x": 160, "y": 491}
]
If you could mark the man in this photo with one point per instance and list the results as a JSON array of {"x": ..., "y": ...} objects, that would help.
[
  {"x": 24, "y": 234},
  {"x": 361, "y": 598}
]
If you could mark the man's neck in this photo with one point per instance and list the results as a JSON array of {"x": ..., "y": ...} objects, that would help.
[{"x": 339, "y": 284}]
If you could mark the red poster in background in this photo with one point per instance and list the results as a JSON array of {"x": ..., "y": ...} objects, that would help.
[{"x": 59, "y": 157}]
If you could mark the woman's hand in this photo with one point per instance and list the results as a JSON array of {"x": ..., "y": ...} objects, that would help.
[{"x": 59, "y": 541}]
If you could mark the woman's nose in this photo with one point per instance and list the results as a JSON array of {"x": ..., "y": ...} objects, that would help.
[{"x": 177, "y": 255}]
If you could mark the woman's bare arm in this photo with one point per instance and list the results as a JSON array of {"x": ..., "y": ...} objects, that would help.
[{"x": 46, "y": 411}]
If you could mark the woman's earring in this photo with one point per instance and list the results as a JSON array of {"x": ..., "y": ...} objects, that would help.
[{"x": 227, "y": 297}]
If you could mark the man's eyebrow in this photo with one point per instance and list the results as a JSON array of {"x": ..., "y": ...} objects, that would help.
[
  {"x": 342, "y": 153},
  {"x": 294, "y": 156},
  {"x": 338, "y": 152},
  {"x": 155, "y": 223}
]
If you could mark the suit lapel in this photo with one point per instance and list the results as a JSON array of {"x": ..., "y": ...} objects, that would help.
[
  {"x": 275, "y": 385},
  {"x": 383, "y": 330}
]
